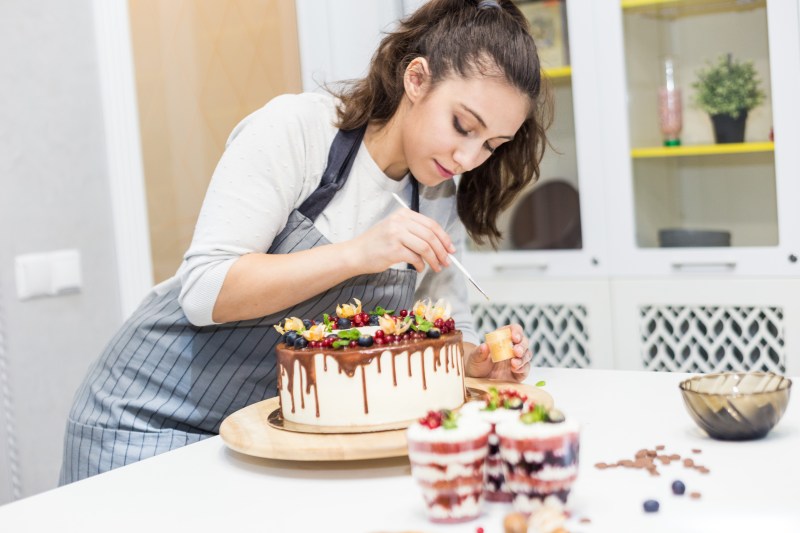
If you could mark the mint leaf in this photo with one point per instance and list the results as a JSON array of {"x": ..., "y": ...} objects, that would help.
[
  {"x": 342, "y": 343},
  {"x": 326, "y": 319},
  {"x": 540, "y": 384},
  {"x": 380, "y": 311},
  {"x": 420, "y": 324},
  {"x": 348, "y": 334}
]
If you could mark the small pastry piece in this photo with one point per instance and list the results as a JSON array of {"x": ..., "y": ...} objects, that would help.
[{"x": 500, "y": 345}]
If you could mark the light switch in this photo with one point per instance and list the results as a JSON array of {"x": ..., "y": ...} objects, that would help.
[{"x": 48, "y": 274}]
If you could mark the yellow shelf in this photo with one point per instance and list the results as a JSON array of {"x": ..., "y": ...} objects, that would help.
[
  {"x": 685, "y": 8},
  {"x": 558, "y": 72},
  {"x": 702, "y": 149}
]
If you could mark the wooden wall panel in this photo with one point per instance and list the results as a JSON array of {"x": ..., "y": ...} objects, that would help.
[{"x": 201, "y": 66}]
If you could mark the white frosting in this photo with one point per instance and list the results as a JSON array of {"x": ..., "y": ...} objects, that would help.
[
  {"x": 341, "y": 398},
  {"x": 467, "y": 429},
  {"x": 518, "y": 430},
  {"x": 547, "y": 473},
  {"x": 476, "y": 409},
  {"x": 467, "y": 508}
]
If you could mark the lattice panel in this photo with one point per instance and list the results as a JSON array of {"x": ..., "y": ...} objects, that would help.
[
  {"x": 558, "y": 334},
  {"x": 712, "y": 339}
]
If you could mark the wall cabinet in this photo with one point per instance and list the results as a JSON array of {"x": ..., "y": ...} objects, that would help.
[
  {"x": 581, "y": 265},
  {"x": 694, "y": 309}
]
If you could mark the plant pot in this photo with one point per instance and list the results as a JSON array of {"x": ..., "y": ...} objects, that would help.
[{"x": 728, "y": 129}]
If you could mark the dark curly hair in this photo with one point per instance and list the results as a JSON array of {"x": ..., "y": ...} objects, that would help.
[{"x": 465, "y": 38}]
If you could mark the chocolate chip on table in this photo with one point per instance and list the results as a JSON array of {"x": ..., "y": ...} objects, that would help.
[
  {"x": 585, "y": 520},
  {"x": 694, "y": 495},
  {"x": 697, "y": 450}
]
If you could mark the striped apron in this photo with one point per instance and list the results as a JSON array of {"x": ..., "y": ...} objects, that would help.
[{"x": 162, "y": 383}]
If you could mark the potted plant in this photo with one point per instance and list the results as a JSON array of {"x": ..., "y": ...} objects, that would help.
[{"x": 727, "y": 90}]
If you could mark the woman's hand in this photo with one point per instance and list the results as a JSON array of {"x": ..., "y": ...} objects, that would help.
[
  {"x": 478, "y": 364},
  {"x": 403, "y": 237}
]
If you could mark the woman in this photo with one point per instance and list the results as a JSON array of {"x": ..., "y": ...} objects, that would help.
[{"x": 308, "y": 179}]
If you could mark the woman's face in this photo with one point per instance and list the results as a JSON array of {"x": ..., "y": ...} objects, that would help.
[{"x": 455, "y": 126}]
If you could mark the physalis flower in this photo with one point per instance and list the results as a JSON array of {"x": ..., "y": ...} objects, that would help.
[
  {"x": 390, "y": 326},
  {"x": 349, "y": 310},
  {"x": 431, "y": 312},
  {"x": 315, "y": 333},
  {"x": 290, "y": 324}
]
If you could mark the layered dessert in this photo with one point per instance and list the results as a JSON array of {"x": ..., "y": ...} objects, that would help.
[
  {"x": 381, "y": 369},
  {"x": 501, "y": 405},
  {"x": 539, "y": 451},
  {"x": 447, "y": 455}
]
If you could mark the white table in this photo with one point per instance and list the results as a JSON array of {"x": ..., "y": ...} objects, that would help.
[{"x": 752, "y": 486}]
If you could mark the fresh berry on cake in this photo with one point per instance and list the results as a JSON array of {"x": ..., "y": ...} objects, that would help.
[
  {"x": 380, "y": 368},
  {"x": 500, "y": 406},
  {"x": 539, "y": 451},
  {"x": 447, "y": 455}
]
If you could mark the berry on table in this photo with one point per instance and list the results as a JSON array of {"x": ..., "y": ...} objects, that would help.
[
  {"x": 651, "y": 506},
  {"x": 678, "y": 488}
]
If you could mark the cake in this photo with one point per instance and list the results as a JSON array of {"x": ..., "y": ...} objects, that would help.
[
  {"x": 381, "y": 370},
  {"x": 447, "y": 455},
  {"x": 539, "y": 451},
  {"x": 500, "y": 406}
]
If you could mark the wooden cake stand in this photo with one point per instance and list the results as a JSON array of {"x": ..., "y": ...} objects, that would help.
[{"x": 249, "y": 431}]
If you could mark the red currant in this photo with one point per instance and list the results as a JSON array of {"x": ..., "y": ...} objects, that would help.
[
  {"x": 438, "y": 323},
  {"x": 403, "y": 313},
  {"x": 353, "y": 344},
  {"x": 379, "y": 334}
]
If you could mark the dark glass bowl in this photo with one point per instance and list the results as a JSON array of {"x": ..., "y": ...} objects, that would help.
[{"x": 736, "y": 405}]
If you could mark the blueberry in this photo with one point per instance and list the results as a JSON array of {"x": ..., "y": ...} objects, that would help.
[
  {"x": 365, "y": 341},
  {"x": 344, "y": 323},
  {"x": 307, "y": 323},
  {"x": 290, "y": 337},
  {"x": 651, "y": 506},
  {"x": 373, "y": 320},
  {"x": 678, "y": 487},
  {"x": 300, "y": 342},
  {"x": 434, "y": 333}
]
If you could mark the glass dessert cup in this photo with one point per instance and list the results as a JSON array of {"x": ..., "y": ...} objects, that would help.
[
  {"x": 540, "y": 462},
  {"x": 448, "y": 465}
]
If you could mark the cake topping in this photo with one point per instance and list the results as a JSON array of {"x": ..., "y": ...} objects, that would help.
[
  {"x": 349, "y": 310},
  {"x": 352, "y": 327},
  {"x": 540, "y": 413},
  {"x": 504, "y": 399},
  {"x": 443, "y": 418}
]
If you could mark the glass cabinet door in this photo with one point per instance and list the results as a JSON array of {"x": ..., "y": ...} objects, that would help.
[
  {"x": 544, "y": 231},
  {"x": 696, "y": 188}
]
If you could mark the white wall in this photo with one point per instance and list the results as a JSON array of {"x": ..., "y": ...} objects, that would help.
[
  {"x": 54, "y": 194},
  {"x": 338, "y": 37}
]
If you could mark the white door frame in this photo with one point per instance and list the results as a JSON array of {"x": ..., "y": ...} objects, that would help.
[{"x": 123, "y": 151}]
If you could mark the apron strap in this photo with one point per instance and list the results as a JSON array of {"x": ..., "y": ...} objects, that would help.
[{"x": 340, "y": 160}]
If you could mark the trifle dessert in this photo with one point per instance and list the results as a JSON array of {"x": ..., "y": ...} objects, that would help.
[
  {"x": 381, "y": 368},
  {"x": 501, "y": 405},
  {"x": 447, "y": 454},
  {"x": 539, "y": 450}
]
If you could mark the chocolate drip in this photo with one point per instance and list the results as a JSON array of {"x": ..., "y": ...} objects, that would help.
[
  {"x": 422, "y": 364},
  {"x": 364, "y": 387},
  {"x": 350, "y": 359}
]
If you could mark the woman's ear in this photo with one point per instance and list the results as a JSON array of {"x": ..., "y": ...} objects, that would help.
[{"x": 416, "y": 78}]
